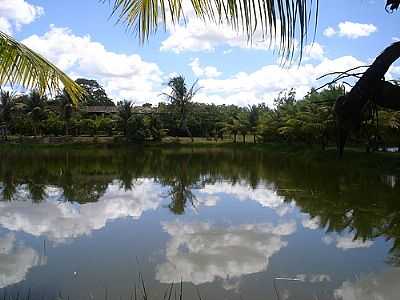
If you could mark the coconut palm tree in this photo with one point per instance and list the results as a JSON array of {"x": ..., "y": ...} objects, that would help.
[
  {"x": 181, "y": 98},
  {"x": 124, "y": 114},
  {"x": 35, "y": 107},
  {"x": 7, "y": 103}
]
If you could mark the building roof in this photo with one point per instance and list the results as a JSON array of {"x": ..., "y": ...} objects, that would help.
[{"x": 99, "y": 109}]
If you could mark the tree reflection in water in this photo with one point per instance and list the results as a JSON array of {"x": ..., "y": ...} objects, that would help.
[{"x": 361, "y": 202}]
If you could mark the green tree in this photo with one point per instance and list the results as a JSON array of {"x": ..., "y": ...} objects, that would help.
[
  {"x": 253, "y": 117},
  {"x": 95, "y": 93},
  {"x": 124, "y": 114},
  {"x": 181, "y": 98},
  {"x": 35, "y": 106}
]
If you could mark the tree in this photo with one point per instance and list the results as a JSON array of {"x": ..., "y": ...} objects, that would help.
[
  {"x": 35, "y": 108},
  {"x": 253, "y": 120},
  {"x": 124, "y": 114},
  {"x": 95, "y": 93},
  {"x": 181, "y": 98},
  {"x": 7, "y": 103},
  {"x": 66, "y": 109}
]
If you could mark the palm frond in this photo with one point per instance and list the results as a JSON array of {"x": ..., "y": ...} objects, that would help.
[
  {"x": 20, "y": 66},
  {"x": 285, "y": 21}
]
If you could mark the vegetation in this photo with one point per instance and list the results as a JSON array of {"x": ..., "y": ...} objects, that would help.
[{"x": 308, "y": 121}]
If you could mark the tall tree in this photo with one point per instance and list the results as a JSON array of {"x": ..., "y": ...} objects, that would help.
[
  {"x": 35, "y": 106},
  {"x": 124, "y": 114},
  {"x": 66, "y": 109},
  {"x": 253, "y": 116},
  {"x": 181, "y": 98},
  {"x": 95, "y": 93},
  {"x": 7, "y": 103}
]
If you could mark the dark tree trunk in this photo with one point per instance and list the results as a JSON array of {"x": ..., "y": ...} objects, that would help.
[
  {"x": 244, "y": 138},
  {"x": 370, "y": 87}
]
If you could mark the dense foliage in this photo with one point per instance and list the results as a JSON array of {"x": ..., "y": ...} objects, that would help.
[{"x": 291, "y": 120}]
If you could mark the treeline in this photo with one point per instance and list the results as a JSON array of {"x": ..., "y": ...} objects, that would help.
[{"x": 306, "y": 121}]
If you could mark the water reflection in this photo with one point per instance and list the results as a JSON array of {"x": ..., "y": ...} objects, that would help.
[
  {"x": 202, "y": 252},
  {"x": 205, "y": 216},
  {"x": 59, "y": 220},
  {"x": 16, "y": 260},
  {"x": 384, "y": 285}
]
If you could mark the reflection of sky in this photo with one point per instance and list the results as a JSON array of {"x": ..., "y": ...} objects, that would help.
[
  {"x": 200, "y": 252},
  {"x": 15, "y": 260},
  {"x": 381, "y": 286},
  {"x": 264, "y": 194},
  {"x": 59, "y": 221}
]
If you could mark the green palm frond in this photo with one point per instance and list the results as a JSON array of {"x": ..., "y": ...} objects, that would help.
[
  {"x": 20, "y": 66},
  {"x": 287, "y": 21}
]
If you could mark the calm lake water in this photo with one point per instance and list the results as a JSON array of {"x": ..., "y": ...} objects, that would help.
[{"x": 228, "y": 224}]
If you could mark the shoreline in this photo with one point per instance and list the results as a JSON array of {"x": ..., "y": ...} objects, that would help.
[{"x": 354, "y": 157}]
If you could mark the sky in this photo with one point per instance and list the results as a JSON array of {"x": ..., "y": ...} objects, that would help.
[{"x": 80, "y": 38}]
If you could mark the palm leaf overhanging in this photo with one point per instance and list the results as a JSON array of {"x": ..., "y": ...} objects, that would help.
[
  {"x": 20, "y": 66},
  {"x": 286, "y": 21}
]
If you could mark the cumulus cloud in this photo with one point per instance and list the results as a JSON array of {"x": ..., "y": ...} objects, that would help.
[
  {"x": 123, "y": 75},
  {"x": 264, "y": 84},
  {"x": 203, "y": 71},
  {"x": 16, "y": 13},
  {"x": 15, "y": 260},
  {"x": 198, "y": 35},
  {"x": 383, "y": 286},
  {"x": 60, "y": 221},
  {"x": 264, "y": 194},
  {"x": 346, "y": 242},
  {"x": 314, "y": 51},
  {"x": 201, "y": 252},
  {"x": 351, "y": 30}
]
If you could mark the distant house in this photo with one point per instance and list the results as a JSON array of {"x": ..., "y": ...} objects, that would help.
[
  {"x": 111, "y": 110},
  {"x": 99, "y": 110}
]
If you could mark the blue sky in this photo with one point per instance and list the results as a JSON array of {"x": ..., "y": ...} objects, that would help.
[{"x": 79, "y": 37}]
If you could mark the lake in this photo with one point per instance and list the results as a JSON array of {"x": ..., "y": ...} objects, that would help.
[{"x": 204, "y": 223}]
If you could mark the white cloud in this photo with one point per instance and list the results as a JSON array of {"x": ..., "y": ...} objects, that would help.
[
  {"x": 198, "y": 35},
  {"x": 203, "y": 71},
  {"x": 314, "y": 51},
  {"x": 122, "y": 75},
  {"x": 59, "y": 221},
  {"x": 346, "y": 242},
  {"x": 395, "y": 39},
  {"x": 264, "y": 84},
  {"x": 383, "y": 286},
  {"x": 201, "y": 253},
  {"x": 16, "y": 13},
  {"x": 329, "y": 32},
  {"x": 15, "y": 260},
  {"x": 351, "y": 30}
]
